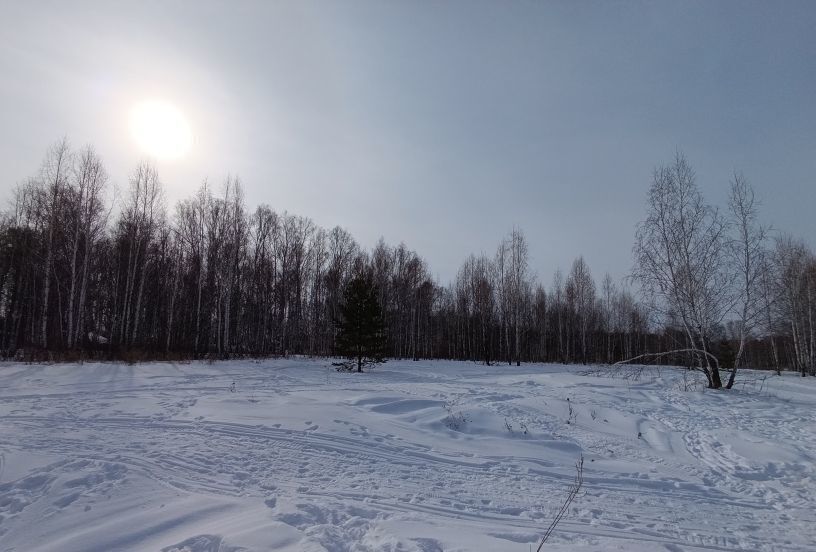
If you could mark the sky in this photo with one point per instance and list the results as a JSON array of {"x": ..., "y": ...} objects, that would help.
[{"x": 439, "y": 124}]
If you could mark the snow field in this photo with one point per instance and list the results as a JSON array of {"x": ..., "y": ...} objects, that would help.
[{"x": 414, "y": 456}]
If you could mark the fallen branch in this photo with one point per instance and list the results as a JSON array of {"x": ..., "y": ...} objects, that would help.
[{"x": 667, "y": 353}]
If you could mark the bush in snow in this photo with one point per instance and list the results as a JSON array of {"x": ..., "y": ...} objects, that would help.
[{"x": 454, "y": 420}]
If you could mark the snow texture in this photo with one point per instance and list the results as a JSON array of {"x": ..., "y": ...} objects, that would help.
[{"x": 413, "y": 456}]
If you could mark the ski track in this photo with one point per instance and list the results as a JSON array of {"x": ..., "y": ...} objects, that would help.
[{"x": 326, "y": 461}]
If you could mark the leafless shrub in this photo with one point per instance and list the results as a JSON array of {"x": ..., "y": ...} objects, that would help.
[
  {"x": 572, "y": 415},
  {"x": 690, "y": 382},
  {"x": 628, "y": 372},
  {"x": 455, "y": 420},
  {"x": 522, "y": 427},
  {"x": 753, "y": 382}
]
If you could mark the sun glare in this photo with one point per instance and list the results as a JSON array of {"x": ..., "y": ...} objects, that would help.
[{"x": 160, "y": 129}]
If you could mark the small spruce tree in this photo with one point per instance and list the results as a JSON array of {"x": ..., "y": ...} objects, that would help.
[{"x": 361, "y": 336}]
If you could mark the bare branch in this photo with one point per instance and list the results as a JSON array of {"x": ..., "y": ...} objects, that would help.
[{"x": 572, "y": 493}]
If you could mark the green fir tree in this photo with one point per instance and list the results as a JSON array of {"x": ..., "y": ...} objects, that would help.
[{"x": 361, "y": 336}]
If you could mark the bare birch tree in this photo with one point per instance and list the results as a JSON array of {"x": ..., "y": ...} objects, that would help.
[
  {"x": 55, "y": 173},
  {"x": 89, "y": 181},
  {"x": 519, "y": 285},
  {"x": 796, "y": 266},
  {"x": 580, "y": 288},
  {"x": 746, "y": 252},
  {"x": 680, "y": 261}
]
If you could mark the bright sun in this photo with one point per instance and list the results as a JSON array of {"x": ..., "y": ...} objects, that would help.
[{"x": 160, "y": 129}]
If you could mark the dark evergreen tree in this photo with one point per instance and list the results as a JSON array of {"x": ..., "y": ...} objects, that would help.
[{"x": 361, "y": 338}]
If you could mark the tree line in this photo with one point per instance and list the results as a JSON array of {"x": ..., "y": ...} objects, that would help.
[{"x": 211, "y": 278}]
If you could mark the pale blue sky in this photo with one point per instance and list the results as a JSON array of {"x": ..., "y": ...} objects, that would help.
[{"x": 440, "y": 124}]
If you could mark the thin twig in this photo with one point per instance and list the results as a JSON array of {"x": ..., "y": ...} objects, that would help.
[{"x": 571, "y": 494}]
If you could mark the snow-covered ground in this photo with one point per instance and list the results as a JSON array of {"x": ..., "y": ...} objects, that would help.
[{"x": 166, "y": 457}]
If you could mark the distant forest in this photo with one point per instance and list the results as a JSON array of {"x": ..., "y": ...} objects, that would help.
[{"x": 210, "y": 277}]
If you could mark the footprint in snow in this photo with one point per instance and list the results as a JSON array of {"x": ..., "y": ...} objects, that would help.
[{"x": 199, "y": 543}]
